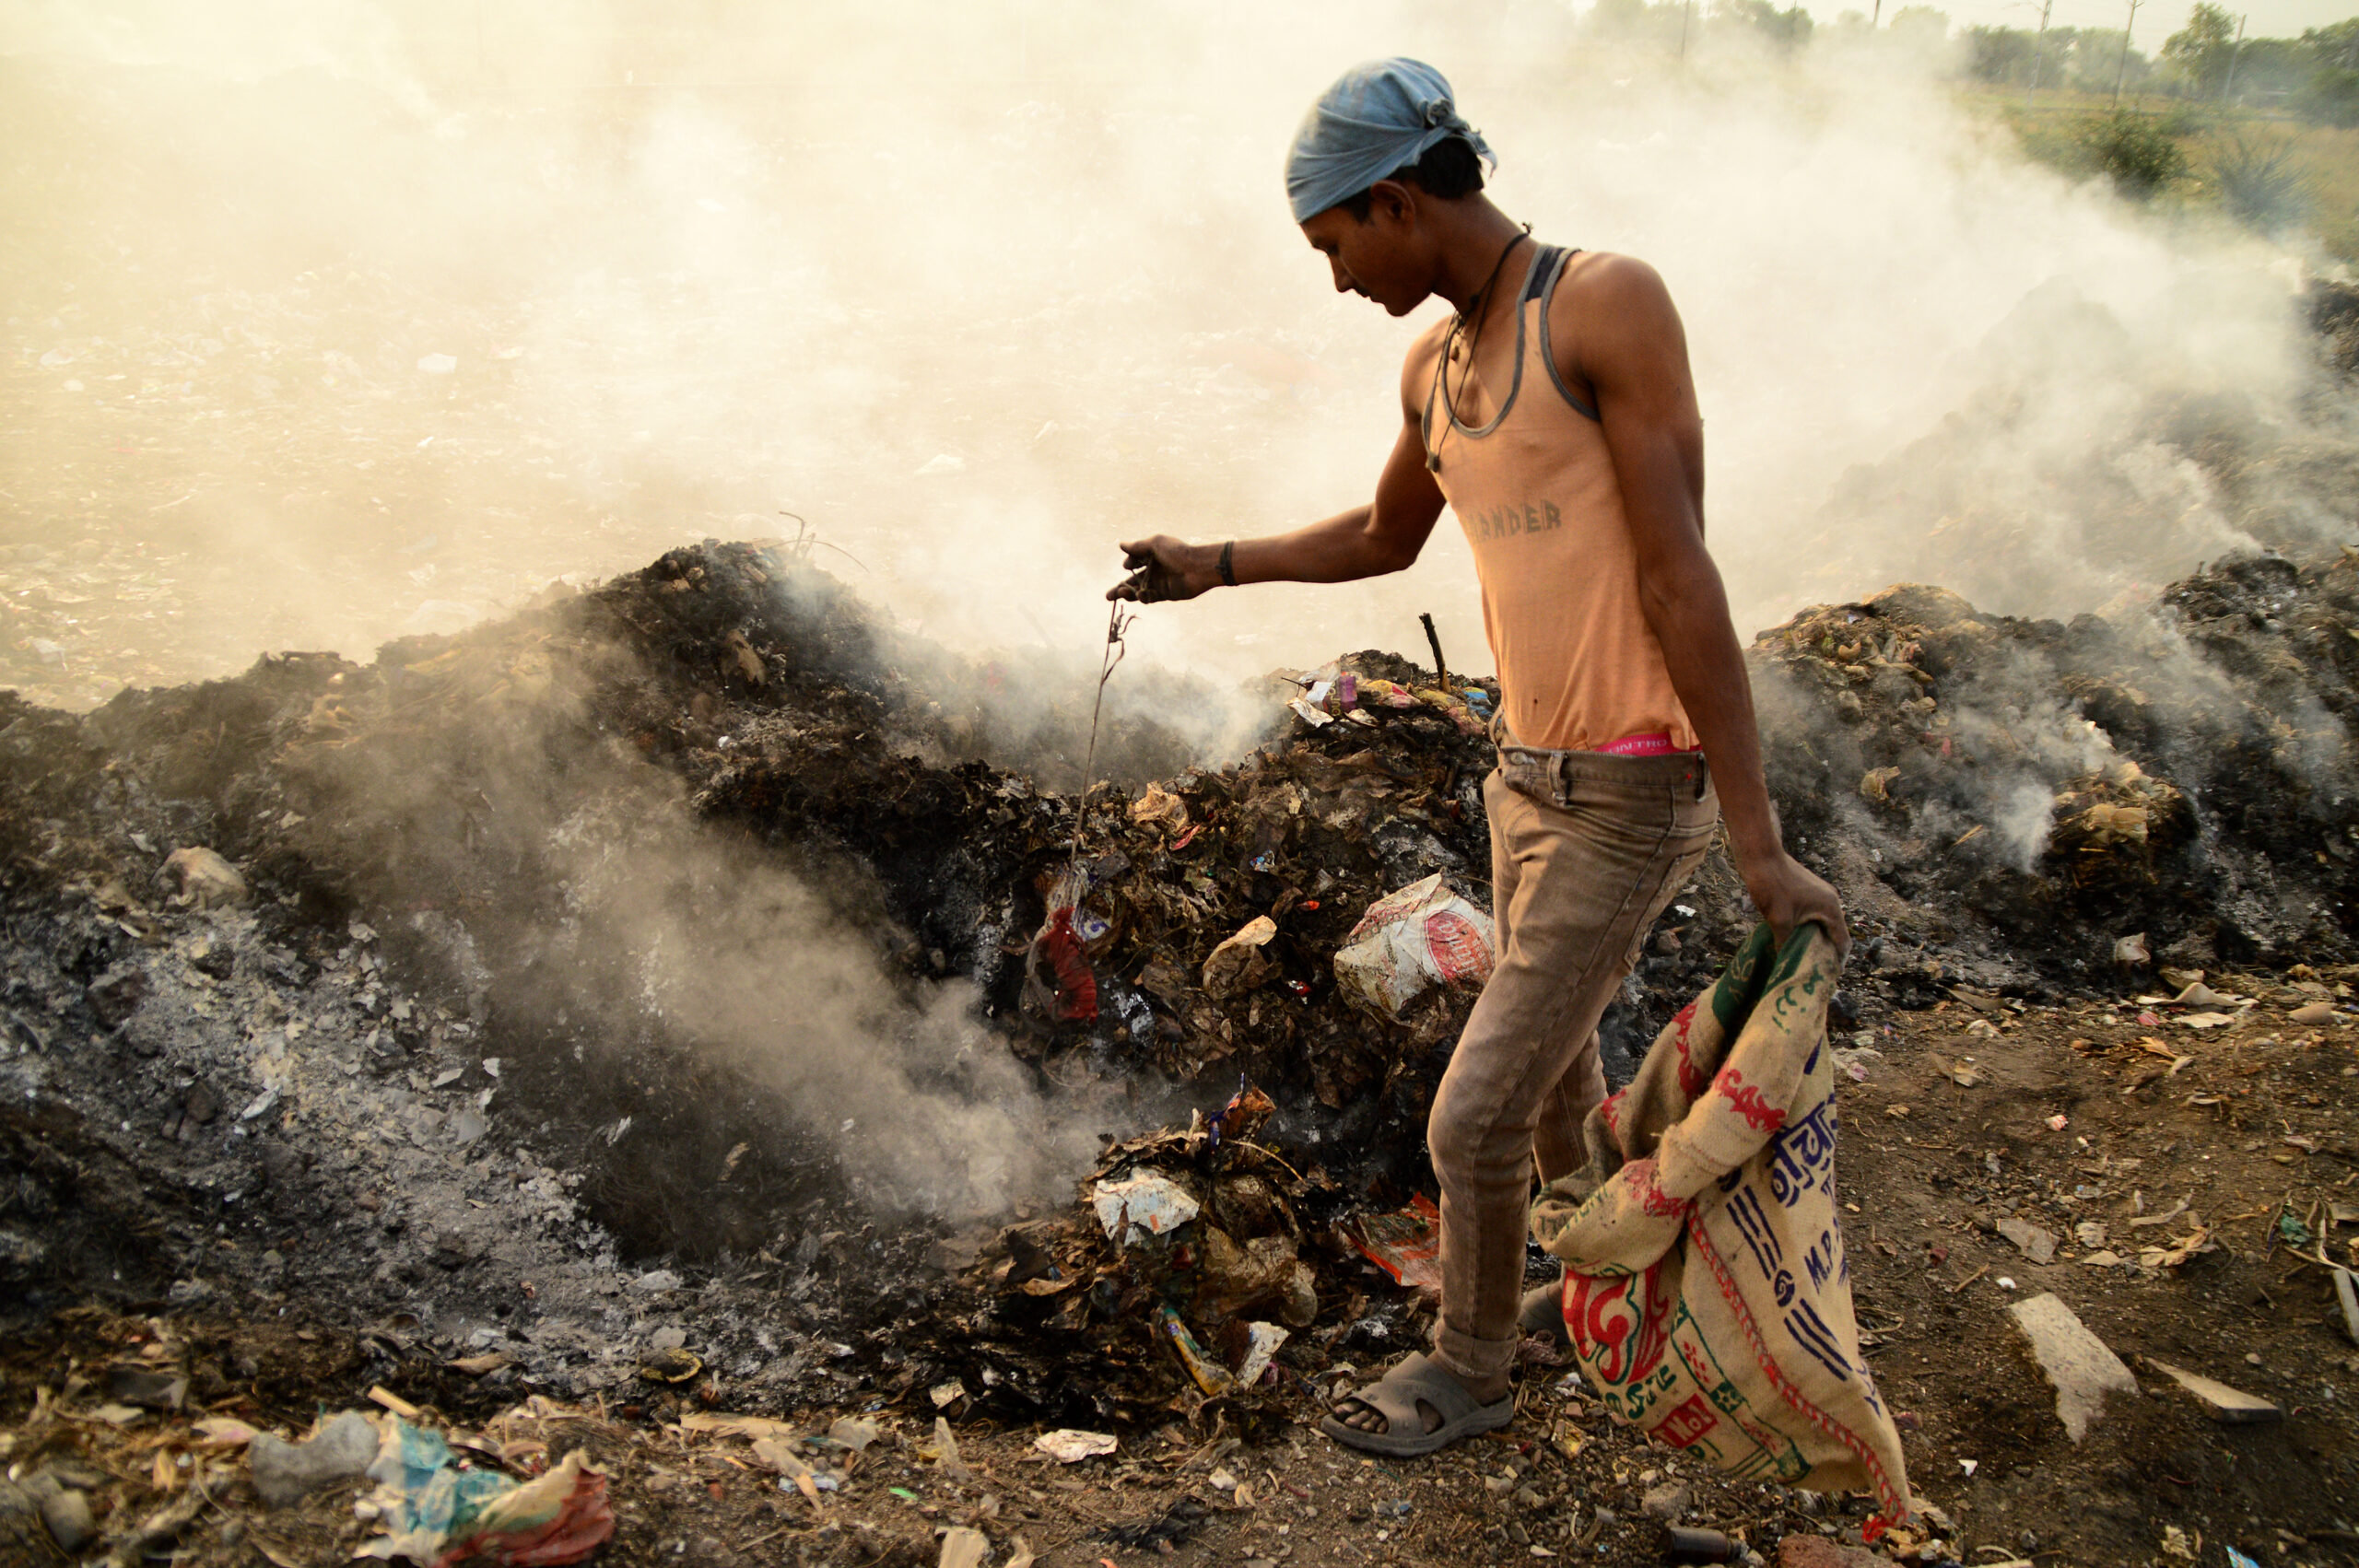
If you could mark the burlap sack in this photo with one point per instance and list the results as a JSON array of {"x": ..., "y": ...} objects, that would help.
[{"x": 1705, "y": 1287}]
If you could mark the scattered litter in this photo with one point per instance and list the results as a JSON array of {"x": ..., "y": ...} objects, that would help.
[
  {"x": 713, "y": 1424},
  {"x": 945, "y": 1451},
  {"x": 1144, "y": 1205},
  {"x": 2032, "y": 1241},
  {"x": 1058, "y": 980},
  {"x": 1406, "y": 1244},
  {"x": 854, "y": 1435},
  {"x": 2230, "y": 1407},
  {"x": 1159, "y": 808},
  {"x": 1316, "y": 718},
  {"x": 1239, "y": 962},
  {"x": 285, "y": 1473},
  {"x": 435, "y": 1510},
  {"x": 1262, "y": 1340},
  {"x": 1208, "y": 1374},
  {"x": 1068, "y": 1447},
  {"x": 1687, "y": 1543},
  {"x": 964, "y": 1547},
  {"x": 204, "y": 880},
  {"x": 1964, "y": 1074}
]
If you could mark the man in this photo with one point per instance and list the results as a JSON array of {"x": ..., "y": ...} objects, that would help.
[{"x": 1555, "y": 414}]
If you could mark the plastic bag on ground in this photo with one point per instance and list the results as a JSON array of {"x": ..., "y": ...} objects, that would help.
[
  {"x": 1410, "y": 940},
  {"x": 439, "y": 1514}
]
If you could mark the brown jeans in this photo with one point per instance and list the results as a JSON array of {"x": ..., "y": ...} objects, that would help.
[{"x": 1586, "y": 850}]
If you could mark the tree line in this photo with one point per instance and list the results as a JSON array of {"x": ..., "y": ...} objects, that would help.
[
  {"x": 2315, "y": 76},
  {"x": 2210, "y": 60}
]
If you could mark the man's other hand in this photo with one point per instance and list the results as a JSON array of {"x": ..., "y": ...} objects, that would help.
[
  {"x": 1164, "y": 568},
  {"x": 1787, "y": 893}
]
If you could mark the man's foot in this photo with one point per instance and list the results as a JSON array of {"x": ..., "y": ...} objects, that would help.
[
  {"x": 1543, "y": 1314},
  {"x": 1417, "y": 1407},
  {"x": 1360, "y": 1416}
]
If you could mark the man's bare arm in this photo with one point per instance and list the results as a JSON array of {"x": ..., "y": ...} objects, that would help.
[
  {"x": 1368, "y": 540},
  {"x": 1625, "y": 341}
]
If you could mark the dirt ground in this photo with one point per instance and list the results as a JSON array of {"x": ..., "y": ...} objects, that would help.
[{"x": 2221, "y": 1132}]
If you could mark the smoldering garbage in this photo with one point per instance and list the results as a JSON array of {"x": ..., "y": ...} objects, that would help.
[
  {"x": 1970, "y": 781},
  {"x": 421, "y": 840}
]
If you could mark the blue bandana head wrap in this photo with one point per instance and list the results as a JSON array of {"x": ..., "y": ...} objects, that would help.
[{"x": 1377, "y": 118}]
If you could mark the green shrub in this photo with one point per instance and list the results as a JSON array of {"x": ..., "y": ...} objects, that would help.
[
  {"x": 2138, "y": 152},
  {"x": 2261, "y": 183}
]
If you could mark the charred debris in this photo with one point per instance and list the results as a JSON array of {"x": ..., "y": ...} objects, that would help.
[{"x": 371, "y": 1050}]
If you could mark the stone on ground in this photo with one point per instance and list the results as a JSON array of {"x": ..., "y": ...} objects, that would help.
[
  {"x": 285, "y": 1473},
  {"x": 2078, "y": 1366}
]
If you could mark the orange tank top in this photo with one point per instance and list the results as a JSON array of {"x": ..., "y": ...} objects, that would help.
[{"x": 1579, "y": 669}]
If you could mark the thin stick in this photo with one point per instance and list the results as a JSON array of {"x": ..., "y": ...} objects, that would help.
[
  {"x": 1432, "y": 640},
  {"x": 1267, "y": 1154},
  {"x": 1117, "y": 623}
]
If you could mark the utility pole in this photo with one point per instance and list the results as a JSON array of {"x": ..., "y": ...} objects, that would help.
[
  {"x": 2038, "y": 51},
  {"x": 1687, "y": 13},
  {"x": 2230, "y": 84},
  {"x": 1874, "y": 20},
  {"x": 2123, "y": 75}
]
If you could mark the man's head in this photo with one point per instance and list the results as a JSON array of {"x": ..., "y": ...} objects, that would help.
[{"x": 1374, "y": 154}]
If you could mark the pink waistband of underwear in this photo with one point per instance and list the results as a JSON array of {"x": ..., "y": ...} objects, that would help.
[{"x": 1657, "y": 745}]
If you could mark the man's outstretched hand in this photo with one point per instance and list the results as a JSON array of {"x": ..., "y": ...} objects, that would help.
[
  {"x": 1163, "y": 569},
  {"x": 1787, "y": 893}
]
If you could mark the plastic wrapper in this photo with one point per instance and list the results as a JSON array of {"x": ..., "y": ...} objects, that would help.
[
  {"x": 1406, "y": 1244},
  {"x": 1146, "y": 1205},
  {"x": 1057, "y": 976}
]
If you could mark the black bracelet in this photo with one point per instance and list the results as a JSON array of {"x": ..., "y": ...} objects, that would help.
[{"x": 1228, "y": 563}]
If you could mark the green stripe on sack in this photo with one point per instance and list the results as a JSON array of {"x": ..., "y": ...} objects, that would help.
[{"x": 1734, "y": 992}]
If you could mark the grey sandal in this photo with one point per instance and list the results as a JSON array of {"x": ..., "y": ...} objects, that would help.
[{"x": 1415, "y": 1380}]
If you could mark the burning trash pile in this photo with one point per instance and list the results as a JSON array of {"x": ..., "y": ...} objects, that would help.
[
  {"x": 2042, "y": 793},
  {"x": 1175, "y": 1286},
  {"x": 2019, "y": 798},
  {"x": 1244, "y": 920}
]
